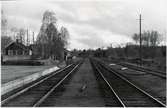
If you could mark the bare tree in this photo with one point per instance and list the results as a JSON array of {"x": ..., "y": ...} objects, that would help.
[
  {"x": 21, "y": 35},
  {"x": 64, "y": 35},
  {"x": 136, "y": 38},
  {"x": 154, "y": 38},
  {"x": 48, "y": 18},
  {"x": 5, "y": 40},
  {"x": 55, "y": 42},
  {"x": 50, "y": 41},
  {"x": 149, "y": 38},
  {"x": 146, "y": 38},
  {"x": 4, "y": 24},
  {"x": 14, "y": 30},
  {"x": 51, "y": 33}
]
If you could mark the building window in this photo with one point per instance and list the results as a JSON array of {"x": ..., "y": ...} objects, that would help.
[{"x": 10, "y": 52}]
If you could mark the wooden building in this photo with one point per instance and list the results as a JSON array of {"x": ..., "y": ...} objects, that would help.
[{"x": 16, "y": 51}]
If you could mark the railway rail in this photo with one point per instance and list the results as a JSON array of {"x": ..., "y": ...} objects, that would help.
[
  {"x": 35, "y": 94},
  {"x": 142, "y": 69},
  {"x": 150, "y": 71},
  {"x": 126, "y": 93}
]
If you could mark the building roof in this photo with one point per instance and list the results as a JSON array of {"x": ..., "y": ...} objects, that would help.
[
  {"x": 8, "y": 44},
  {"x": 18, "y": 44},
  {"x": 65, "y": 50}
]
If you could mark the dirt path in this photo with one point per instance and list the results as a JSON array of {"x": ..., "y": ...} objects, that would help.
[{"x": 82, "y": 91}]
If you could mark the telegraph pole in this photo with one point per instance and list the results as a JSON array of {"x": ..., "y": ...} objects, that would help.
[
  {"x": 140, "y": 50},
  {"x": 33, "y": 38},
  {"x": 27, "y": 37}
]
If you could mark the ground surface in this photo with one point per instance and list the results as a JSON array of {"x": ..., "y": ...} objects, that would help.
[
  {"x": 82, "y": 90},
  {"x": 9, "y": 73},
  {"x": 75, "y": 96}
]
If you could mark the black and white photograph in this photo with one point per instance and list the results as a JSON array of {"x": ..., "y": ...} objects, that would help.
[{"x": 83, "y": 53}]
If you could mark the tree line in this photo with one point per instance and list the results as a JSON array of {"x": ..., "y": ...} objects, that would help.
[{"x": 148, "y": 38}]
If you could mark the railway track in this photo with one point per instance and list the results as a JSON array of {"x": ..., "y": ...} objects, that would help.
[
  {"x": 126, "y": 94},
  {"x": 153, "y": 72},
  {"x": 140, "y": 68},
  {"x": 35, "y": 94}
]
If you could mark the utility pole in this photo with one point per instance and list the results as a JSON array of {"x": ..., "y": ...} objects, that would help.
[
  {"x": 27, "y": 37},
  {"x": 33, "y": 37},
  {"x": 140, "y": 50}
]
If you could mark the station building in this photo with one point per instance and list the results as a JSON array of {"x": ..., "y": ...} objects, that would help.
[{"x": 16, "y": 51}]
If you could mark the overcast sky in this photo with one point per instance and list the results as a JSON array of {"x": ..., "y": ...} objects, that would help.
[{"x": 92, "y": 23}]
